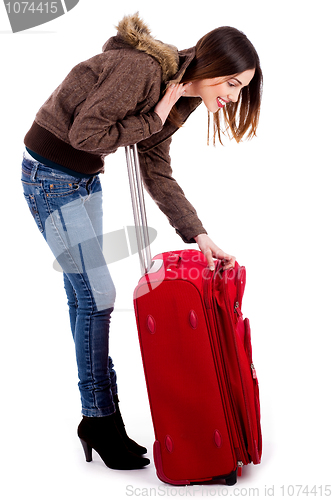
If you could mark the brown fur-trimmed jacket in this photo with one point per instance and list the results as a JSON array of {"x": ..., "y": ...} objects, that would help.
[{"x": 108, "y": 102}]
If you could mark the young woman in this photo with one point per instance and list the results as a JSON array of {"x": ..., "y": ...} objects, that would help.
[{"x": 138, "y": 90}]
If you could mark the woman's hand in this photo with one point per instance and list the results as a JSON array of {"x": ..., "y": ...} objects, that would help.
[
  {"x": 210, "y": 250},
  {"x": 171, "y": 96}
]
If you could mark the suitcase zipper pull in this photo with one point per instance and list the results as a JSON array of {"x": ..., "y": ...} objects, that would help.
[
  {"x": 239, "y": 468},
  {"x": 254, "y": 373},
  {"x": 237, "y": 310}
]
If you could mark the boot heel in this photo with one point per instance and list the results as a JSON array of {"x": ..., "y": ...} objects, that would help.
[{"x": 87, "y": 450}]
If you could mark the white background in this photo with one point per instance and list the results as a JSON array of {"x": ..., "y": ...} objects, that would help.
[{"x": 268, "y": 202}]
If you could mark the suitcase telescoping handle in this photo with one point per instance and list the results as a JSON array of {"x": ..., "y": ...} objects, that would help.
[{"x": 139, "y": 211}]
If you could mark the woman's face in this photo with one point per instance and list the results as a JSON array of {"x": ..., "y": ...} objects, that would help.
[{"x": 217, "y": 92}]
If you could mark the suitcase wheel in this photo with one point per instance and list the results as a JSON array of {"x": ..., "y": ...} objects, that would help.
[{"x": 231, "y": 479}]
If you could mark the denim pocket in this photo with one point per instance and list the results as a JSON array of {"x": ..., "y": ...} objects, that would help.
[
  {"x": 30, "y": 198},
  {"x": 59, "y": 188}
]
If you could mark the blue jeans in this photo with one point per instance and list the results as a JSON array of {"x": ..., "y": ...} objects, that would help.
[{"x": 68, "y": 213}]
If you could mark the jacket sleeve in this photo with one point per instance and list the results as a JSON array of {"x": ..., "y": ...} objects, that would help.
[
  {"x": 118, "y": 110},
  {"x": 168, "y": 195}
]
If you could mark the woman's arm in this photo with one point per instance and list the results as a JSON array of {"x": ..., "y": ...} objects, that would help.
[
  {"x": 158, "y": 179},
  {"x": 168, "y": 195},
  {"x": 170, "y": 198},
  {"x": 119, "y": 110}
]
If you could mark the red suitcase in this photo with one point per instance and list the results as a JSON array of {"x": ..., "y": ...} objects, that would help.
[{"x": 197, "y": 357}]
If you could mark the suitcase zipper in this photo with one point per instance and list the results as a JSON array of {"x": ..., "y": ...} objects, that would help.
[
  {"x": 239, "y": 367},
  {"x": 248, "y": 348},
  {"x": 240, "y": 289},
  {"x": 242, "y": 383},
  {"x": 237, "y": 310},
  {"x": 238, "y": 427},
  {"x": 210, "y": 307}
]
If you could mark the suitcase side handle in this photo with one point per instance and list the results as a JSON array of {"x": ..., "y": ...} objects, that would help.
[{"x": 139, "y": 210}]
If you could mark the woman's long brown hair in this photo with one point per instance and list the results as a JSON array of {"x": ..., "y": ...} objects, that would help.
[{"x": 226, "y": 52}]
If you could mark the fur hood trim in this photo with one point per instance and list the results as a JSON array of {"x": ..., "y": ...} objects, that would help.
[{"x": 137, "y": 34}]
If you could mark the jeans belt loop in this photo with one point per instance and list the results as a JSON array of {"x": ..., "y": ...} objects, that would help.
[{"x": 34, "y": 171}]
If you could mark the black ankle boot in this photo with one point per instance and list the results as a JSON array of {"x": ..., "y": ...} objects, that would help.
[
  {"x": 131, "y": 445},
  {"x": 102, "y": 435}
]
